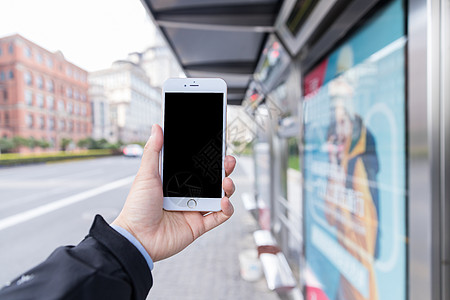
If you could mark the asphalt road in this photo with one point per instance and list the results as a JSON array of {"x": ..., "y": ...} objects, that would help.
[
  {"x": 46, "y": 206},
  {"x": 49, "y": 205}
]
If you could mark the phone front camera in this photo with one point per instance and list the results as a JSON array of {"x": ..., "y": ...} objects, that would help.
[{"x": 185, "y": 85}]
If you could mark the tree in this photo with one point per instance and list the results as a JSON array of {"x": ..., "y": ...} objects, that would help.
[
  {"x": 101, "y": 144},
  {"x": 6, "y": 145},
  {"x": 44, "y": 144},
  {"x": 85, "y": 143},
  {"x": 64, "y": 143},
  {"x": 20, "y": 141},
  {"x": 32, "y": 142}
]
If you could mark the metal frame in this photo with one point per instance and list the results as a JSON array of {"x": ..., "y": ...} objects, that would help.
[
  {"x": 445, "y": 148},
  {"x": 427, "y": 136},
  {"x": 342, "y": 24},
  {"x": 295, "y": 43},
  {"x": 249, "y": 18}
]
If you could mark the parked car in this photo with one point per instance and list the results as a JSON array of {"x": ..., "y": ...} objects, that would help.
[{"x": 133, "y": 150}]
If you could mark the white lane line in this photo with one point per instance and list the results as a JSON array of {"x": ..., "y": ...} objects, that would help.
[{"x": 47, "y": 208}]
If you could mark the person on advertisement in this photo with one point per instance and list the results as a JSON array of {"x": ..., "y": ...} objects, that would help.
[{"x": 352, "y": 193}]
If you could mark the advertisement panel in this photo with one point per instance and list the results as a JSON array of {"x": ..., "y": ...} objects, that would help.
[{"x": 354, "y": 165}]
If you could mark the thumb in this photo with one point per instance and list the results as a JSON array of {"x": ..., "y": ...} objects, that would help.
[{"x": 150, "y": 158}]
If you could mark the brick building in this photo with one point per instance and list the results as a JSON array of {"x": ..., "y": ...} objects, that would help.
[{"x": 42, "y": 95}]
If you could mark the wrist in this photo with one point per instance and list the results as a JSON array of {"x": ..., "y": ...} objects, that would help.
[{"x": 127, "y": 233}]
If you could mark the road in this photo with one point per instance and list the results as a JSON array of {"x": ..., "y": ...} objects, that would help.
[
  {"x": 30, "y": 188},
  {"x": 49, "y": 205}
]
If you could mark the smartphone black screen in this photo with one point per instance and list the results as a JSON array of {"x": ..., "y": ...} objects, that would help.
[{"x": 193, "y": 141}]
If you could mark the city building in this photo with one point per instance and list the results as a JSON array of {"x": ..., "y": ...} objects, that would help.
[
  {"x": 42, "y": 95},
  {"x": 134, "y": 105},
  {"x": 101, "y": 121},
  {"x": 158, "y": 62}
]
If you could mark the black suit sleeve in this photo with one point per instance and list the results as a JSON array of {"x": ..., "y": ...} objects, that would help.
[{"x": 105, "y": 265}]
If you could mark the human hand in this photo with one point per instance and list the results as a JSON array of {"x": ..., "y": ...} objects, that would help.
[{"x": 165, "y": 233}]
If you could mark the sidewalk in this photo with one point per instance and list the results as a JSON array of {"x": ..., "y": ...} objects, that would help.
[{"x": 209, "y": 268}]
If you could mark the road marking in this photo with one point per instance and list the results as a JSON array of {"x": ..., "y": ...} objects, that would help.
[
  {"x": 47, "y": 208},
  {"x": 49, "y": 186}
]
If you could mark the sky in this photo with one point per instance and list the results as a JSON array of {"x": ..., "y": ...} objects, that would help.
[{"x": 91, "y": 33}]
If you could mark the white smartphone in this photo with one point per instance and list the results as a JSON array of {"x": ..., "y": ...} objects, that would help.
[{"x": 192, "y": 159}]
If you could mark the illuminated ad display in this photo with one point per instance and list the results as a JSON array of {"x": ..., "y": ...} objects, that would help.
[{"x": 354, "y": 165}]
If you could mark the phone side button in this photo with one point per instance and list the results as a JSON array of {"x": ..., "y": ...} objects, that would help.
[{"x": 192, "y": 203}]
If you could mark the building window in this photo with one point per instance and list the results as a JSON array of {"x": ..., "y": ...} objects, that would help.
[
  {"x": 39, "y": 58},
  {"x": 70, "y": 129},
  {"x": 41, "y": 122},
  {"x": 27, "y": 51},
  {"x": 69, "y": 92},
  {"x": 69, "y": 71},
  {"x": 6, "y": 119},
  {"x": 83, "y": 110},
  {"x": 51, "y": 124},
  {"x": 29, "y": 97},
  {"x": 49, "y": 62},
  {"x": 50, "y": 86},
  {"x": 62, "y": 125},
  {"x": 76, "y": 95},
  {"x": 40, "y": 82},
  {"x": 77, "y": 108},
  {"x": 61, "y": 105},
  {"x": 28, "y": 79},
  {"x": 50, "y": 102},
  {"x": 29, "y": 121},
  {"x": 69, "y": 107},
  {"x": 11, "y": 74},
  {"x": 2, "y": 76},
  {"x": 5, "y": 95},
  {"x": 11, "y": 48},
  {"x": 83, "y": 97},
  {"x": 40, "y": 100}
]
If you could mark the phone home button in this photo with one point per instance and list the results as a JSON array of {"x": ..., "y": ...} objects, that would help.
[{"x": 192, "y": 203}]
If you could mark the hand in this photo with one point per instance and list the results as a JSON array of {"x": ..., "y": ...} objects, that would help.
[{"x": 165, "y": 233}]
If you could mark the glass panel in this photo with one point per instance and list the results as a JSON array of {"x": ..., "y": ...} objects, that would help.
[
  {"x": 354, "y": 165},
  {"x": 28, "y": 97}
]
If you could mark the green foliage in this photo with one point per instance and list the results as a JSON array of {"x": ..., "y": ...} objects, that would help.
[
  {"x": 19, "y": 159},
  {"x": 31, "y": 143},
  {"x": 65, "y": 142},
  {"x": 6, "y": 145},
  {"x": 43, "y": 143},
  {"x": 84, "y": 143},
  {"x": 91, "y": 143},
  {"x": 294, "y": 162},
  {"x": 20, "y": 141},
  {"x": 294, "y": 154},
  {"x": 9, "y": 144}
]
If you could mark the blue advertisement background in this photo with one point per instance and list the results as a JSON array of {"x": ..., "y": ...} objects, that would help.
[{"x": 377, "y": 76}]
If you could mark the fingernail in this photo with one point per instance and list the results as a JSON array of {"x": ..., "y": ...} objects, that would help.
[
  {"x": 153, "y": 130},
  {"x": 151, "y": 134}
]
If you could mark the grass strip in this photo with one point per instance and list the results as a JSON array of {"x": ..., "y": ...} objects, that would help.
[{"x": 12, "y": 159}]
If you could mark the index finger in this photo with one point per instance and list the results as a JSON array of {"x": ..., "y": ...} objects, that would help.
[{"x": 230, "y": 163}]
